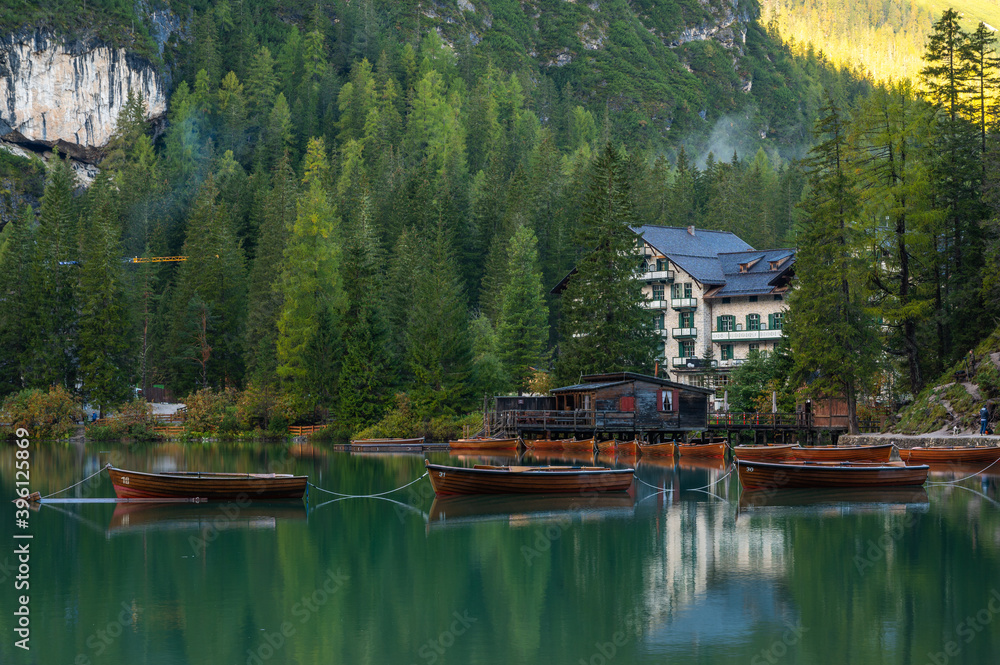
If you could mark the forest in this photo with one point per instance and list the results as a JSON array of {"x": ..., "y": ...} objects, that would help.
[{"x": 367, "y": 237}]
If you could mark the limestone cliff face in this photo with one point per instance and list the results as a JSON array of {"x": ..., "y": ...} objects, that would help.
[{"x": 67, "y": 94}]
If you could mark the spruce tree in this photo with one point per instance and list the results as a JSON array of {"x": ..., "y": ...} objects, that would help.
[
  {"x": 437, "y": 346},
  {"x": 265, "y": 298},
  {"x": 833, "y": 342},
  {"x": 605, "y": 326},
  {"x": 55, "y": 271},
  {"x": 522, "y": 328},
  {"x": 17, "y": 248},
  {"x": 107, "y": 344}
]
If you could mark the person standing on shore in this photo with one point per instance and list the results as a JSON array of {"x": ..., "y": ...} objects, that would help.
[{"x": 984, "y": 417}]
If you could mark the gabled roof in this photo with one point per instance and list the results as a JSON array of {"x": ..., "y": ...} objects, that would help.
[
  {"x": 598, "y": 381},
  {"x": 695, "y": 251},
  {"x": 759, "y": 277}
]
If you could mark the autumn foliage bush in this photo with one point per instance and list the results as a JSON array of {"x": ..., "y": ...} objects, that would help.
[{"x": 46, "y": 414}]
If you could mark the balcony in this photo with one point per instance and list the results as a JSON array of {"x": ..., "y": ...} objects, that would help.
[
  {"x": 662, "y": 332},
  {"x": 691, "y": 362},
  {"x": 732, "y": 362},
  {"x": 746, "y": 335},
  {"x": 684, "y": 303},
  {"x": 681, "y": 333},
  {"x": 657, "y": 276},
  {"x": 655, "y": 304}
]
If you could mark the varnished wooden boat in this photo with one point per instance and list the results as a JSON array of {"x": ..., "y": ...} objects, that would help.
[
  {"x": 658, "y": 449},
  {"x": 578, "y": 446},
  {"x": 798, "y": 475},
  {"x": 607, "y": 446},
  {"x": 488, "y": 479},
  {"x": 543, "y": 444},
  {"x": 879, "y": 453},
  {"x": 388, "y": 442},
  {"x": 212, "y": 486},
  {"x": 764, "y": 453},
  {"x": 628, "y": 448},
  {"x": 702, "y": 449},
  {"x": 483, "y": 444},
  {"x": 950, "y": 454}
]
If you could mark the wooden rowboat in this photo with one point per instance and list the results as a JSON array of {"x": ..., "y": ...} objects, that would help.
[
  {"x": 213, "y": 486},
  {"x": 702, "y": 449},
  {"x": 764, "y": 453},
  {"x": 543, "y": 444},
  {"x": 388, "y": 442},
  {"x": 483, "y": 444},
  {"x": 606, "y": 446},
  {"x": 775, "y": 476},
  {"x": 658, "y": 449},
  {"x": 950, "y": 454},
  {"x": 581, "y": 446},
  {"x": 879, "y": 453},
  {"x": 628, "y": 448},
  {"x": 488, "y": 479}
]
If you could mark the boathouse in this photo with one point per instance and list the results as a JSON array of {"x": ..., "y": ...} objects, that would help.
[{"x": 616, "y": 403}]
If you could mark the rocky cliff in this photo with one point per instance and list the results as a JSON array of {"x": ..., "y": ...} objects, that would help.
[{"x": 68, "y": 93}]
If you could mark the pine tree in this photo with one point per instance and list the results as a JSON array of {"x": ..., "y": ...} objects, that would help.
[
  {"x": 312, "y": 289},
  {"x": 605, "y": 326},
  {"x": 16, "y": 258},
  {"x": 107, "y": 345},
  {"x": 983, "y": 66},
  {"x": 522, "y": 327},
  {"x": 54, "y": 317},
  {"x": 832, "y": 340}
]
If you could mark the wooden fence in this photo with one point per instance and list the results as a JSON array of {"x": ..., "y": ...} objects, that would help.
[{"x": 304, "y": 430}]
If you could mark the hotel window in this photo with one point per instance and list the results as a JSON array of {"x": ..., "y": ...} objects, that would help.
[
  {"x": 687, "y": 290},
  {"x": 776, "y": 321},
  {"x": 686, "y": 349},
  {"x": 752, "y": 299},
  {"x": 754, "y": 347},
  {"x": 727, "y": 351},
  {"x": 777, "y": 296},
  {"x": 677, "y": 291},
  {"x": 661, "y": 264},
  {"x": 725, "y": 301},
  {"x": 685, "y": 320},
  {"x": 726, "y": 323},
  {"x": 659, "y": 321},
  {"x": 657, "y": 292},
  {"x": 753, "y": 321}
]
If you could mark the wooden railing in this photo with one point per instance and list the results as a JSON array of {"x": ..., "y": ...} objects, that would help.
[
  {"x": 304, "y": 430},
  {"x": 511, "y": 421},
  {"x": 728, "y": 419}
]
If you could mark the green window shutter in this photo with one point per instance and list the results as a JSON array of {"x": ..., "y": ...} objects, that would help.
[
  {"x": 748, "y": 323},
  {"x": 718, "y": 323},
  {"x": 770, "y": 321}
]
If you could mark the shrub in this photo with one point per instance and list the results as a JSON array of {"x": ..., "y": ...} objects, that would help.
[
  {"x": 134, "y": 421},
  {"x": 207, "y": 408},
  {"x": 51, "y": 414},
  {"x": 258, "y": 406}
]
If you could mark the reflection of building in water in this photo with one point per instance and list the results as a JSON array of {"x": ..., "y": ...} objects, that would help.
[{"x": 703, "y": 545}]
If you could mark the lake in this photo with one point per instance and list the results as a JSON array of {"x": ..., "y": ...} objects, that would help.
[{"x": 678, "y": 576}]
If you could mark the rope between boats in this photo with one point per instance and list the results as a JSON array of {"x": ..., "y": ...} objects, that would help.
[
  {"x": 367, "y": 496},
  {"x": 973, "y": 475},
  {"x": 98, "y": 472},
  {"x": 714, "y": 482},
  {"x": 658, "y": 490}
]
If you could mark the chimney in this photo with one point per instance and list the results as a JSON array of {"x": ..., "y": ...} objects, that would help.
[{"x": 691, "y": 230}]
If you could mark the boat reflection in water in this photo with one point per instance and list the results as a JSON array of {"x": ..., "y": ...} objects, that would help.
[
  {"x": 522, "y": 509},
  {"x": 855, "y": 497},
  {"x": 217, "y": 515}
]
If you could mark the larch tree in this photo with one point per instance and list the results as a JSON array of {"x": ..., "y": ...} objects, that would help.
[
  {"x": 16, "y": 256},
  {"x": 312, "y": 290}
]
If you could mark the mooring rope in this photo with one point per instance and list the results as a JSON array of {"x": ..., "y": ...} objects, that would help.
[
  {"x": 973, "y": 475},
  {"x": 367, "y": 496},
  {"x": 655, "y": 487},
  {"x": 714, "y": 482},
  {"x": 99, "y": 471}
]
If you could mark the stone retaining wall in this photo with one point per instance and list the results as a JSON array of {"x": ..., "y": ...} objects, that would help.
[{"x": 904, "y": 441}]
